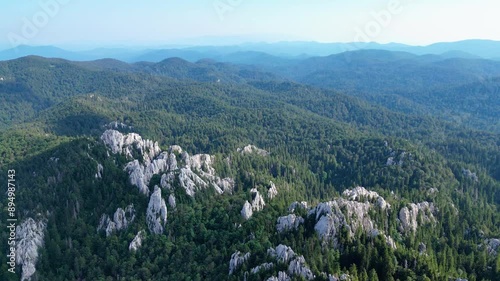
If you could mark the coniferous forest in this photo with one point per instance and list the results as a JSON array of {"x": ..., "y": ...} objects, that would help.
[{"x": 386, "y": 167}]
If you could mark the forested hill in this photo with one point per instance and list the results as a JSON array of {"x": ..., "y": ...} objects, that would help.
[
  {"x": 461, "y": 90},
  {"x": 211, "y": 171}
]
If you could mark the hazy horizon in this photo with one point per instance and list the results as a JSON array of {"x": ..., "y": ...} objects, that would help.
[{"x": 92, "y": 24}]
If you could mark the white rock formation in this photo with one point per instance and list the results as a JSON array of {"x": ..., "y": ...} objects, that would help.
[
  {"x": 296, "y": 264},
  {"x": 197, "y": 173},
  {"x": 272, "y": 191},
  {"x": 137, "y": 242},
  {"x": 361, "y": 194},
  {"x": 100, "y": 169},
  {"x": 29, "y": 238},
  {"x": 124, "y": 144},
  {"x": 167, "y": 181},
  {"x": 249, "y": 149},
  {"x": 408, "y": 216},
  {"x": 191, "y": 182},
  {"x": 121, "y": 220},
  {"x": 281, "y": 253},
  {"x": 246, "y": 211},
  {"x": 258, "y": 203},
  {"x": 297, "y": 205},
  {"x": 171, "y": 201},
  {"x": 140, "y": 172},
  {"x": 282, "y": 276},
  {"x": 287, "y": 223},
  {"x": 237, "y": 259},
  {"x": 492, "y": 246},
  {"x": 262, "y": 267},
  {"x": 298, "y": 267},
  {"x": 332, "y": 216},
  {"x": 136, "y": 176},
  {"x": 156, "y": 215}
]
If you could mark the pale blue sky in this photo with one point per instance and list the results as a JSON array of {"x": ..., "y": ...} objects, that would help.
[{"x": 96, "y": 23}]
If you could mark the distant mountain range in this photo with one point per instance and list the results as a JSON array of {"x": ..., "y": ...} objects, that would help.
[{"x": 250, "y": 52}]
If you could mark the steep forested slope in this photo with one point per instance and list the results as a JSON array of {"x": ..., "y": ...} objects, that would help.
[{"x": 86, "y": 184}]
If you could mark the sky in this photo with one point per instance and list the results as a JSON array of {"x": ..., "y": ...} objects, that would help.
[{"x": 115, "y": 23}]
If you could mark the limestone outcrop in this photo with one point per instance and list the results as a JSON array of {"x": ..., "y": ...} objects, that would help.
[
  {"x": 156, "y": 215},
  {"x": 121, "y": 220},
  {"x": 29, "y": 239}
]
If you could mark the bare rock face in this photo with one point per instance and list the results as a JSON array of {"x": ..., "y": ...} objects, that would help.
[
  {"x": 249, "y": 149},
  {"x": 237, "y": 259},
  {"x": 262, "y": 267},
  {"x": 281, "y": 253},
  {"x": 332, "y": 216},
  {"x": 361, "y": 194},
  {"x": 121, "y": 220},
  {"x": 296, "y": 264},
  {"x": 156, "y": 215},
  {"x": 197, "y": 173},
  {"x": 167, "y": 181},
  {"x": 297, "y": 205},
  {"x": 137, "y": 242},
  {"x": 408, "y": 216},
  {"x": 298, "y": 267},
  {"x": 272, "y": 191},
  {"x": 258, "y": 203},
  {"x": 29, "y": 238},
  {"x": 350, "y": 212},
  {"x": 287, "y": 223},
  {"x": 124, "y": 144},
  {"x": 140, "y": 172},
  {"x": 136, "y": 176},
  {"x": 246, "y": 211}
]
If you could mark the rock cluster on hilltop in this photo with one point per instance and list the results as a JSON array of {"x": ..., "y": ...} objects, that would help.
[
  {"x": 350, "y": 212},
  {"x": 29, "y": 239},
  {"x": 197, "y": 173}
]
